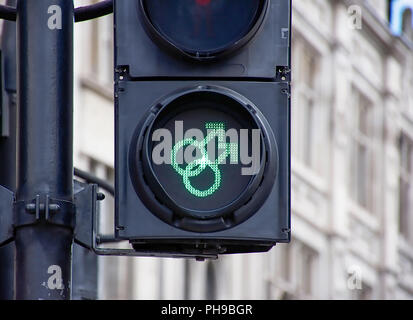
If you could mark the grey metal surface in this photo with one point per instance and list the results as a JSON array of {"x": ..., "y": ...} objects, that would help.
[
  {"x": 8, "y": 147},
  {"x": 45, "y": 149}
]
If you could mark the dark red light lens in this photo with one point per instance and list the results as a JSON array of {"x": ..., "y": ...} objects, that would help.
[
  {"x": 203, "y": 2},
  {"x": 204, "y": 27}
]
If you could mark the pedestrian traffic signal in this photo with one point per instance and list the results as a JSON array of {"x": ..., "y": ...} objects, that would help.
[
  {"x": 191, "y": 155},
  {"x": 202, "y": 125}
]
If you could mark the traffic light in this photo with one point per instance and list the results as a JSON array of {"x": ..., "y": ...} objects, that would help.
[{"x": 202, "y": 94}]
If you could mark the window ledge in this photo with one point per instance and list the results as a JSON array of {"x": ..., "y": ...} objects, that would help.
[
  {"x": 104, "y": 91},
  {"x": 366, "y": 217},
  {"x": 309, "y": 176},
  {"x": 405, "y": 248}
]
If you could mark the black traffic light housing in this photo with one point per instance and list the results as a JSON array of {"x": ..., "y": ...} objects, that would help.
[
  {"x": 144, "y": 54},
  {"x": 244, "y": 84}
]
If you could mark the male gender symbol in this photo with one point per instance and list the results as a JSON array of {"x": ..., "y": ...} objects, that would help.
[{"x": 196, "y": 167}]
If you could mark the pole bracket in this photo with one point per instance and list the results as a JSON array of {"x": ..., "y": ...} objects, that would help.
[
  {"x": 87, "y": 229},
  {"x": 44, "y": 210},
  {"x": 86, "y": 197},
  {"x": 6, "y": 216}
]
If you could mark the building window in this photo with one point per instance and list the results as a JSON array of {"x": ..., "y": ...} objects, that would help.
[
  {"x": 307, "y": 271},
  {"x": 187, "y": 279},
  {"x": 284, "y": 259},
  {"x": 210, "y": 286},
  {"x": 407, "y": 24},
  {"x": 101, "y": 53},
  {"x": 308, "y": 115},
  {"x": 284, "y": 272},
  {"x": 362, "y": 171},
  {"x": 365, "y": 293},
  {"x": 405, "y": 186},
  {"x": 296, "y": 272}
]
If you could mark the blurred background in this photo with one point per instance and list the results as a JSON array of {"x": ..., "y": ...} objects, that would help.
[
  {"x": 352, "y": 168},
  {"x": 352, "y": 180}
]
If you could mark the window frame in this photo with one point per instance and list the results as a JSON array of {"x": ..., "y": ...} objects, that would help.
[
  {"x": 406, "y": 177},
  {"x": 367, "y": 141},
  {"x": 309, "y": 110}
]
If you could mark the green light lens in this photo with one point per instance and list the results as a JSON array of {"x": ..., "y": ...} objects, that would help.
[{"x": 198, "y": 166}]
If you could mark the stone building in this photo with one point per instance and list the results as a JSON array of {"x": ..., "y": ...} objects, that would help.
[{"x": 352, "y": 180}]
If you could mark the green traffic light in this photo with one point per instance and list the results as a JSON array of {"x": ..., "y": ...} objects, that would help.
[{"x": 198, "y": 166}]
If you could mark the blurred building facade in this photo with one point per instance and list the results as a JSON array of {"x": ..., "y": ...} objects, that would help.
[{"x": 352, "y": 183}]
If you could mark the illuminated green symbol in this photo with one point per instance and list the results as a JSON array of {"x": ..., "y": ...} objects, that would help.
[{"x": 195, "y": 168}]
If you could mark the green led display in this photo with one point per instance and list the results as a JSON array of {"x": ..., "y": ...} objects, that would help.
[{"x": 216, "y": 130}]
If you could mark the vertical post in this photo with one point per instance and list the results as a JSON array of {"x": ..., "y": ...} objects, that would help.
[
  {"x": 8, "y": 144},
  {"x": 85, "y": 274},
  {"x": 44, "y": 234}
]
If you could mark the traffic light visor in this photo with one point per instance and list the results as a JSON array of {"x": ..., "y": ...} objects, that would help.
[{"x": 203, "y": 29}]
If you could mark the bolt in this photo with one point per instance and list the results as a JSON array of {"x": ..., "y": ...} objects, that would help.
[
  {"x": 100, "y": 196},
  {"x": 54, "y": 208}
]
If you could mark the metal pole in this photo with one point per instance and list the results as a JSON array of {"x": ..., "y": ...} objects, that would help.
[
  {"x": 85, "y": 274},
  {"x": 8, "y": 144},
  {"x": 43, "y": 234}
]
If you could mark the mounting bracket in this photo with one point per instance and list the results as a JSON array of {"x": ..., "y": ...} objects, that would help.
[
  {"x": 6, "y": 216},
  {"x": 87, "y": 231}
]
